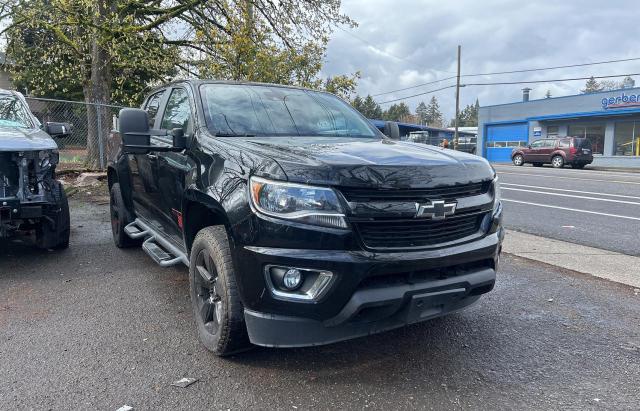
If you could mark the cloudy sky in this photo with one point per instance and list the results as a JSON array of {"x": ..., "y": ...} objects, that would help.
[{"x": 400, "y": 43}]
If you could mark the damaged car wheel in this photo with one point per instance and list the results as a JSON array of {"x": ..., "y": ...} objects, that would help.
[{"x": 55, "y": 228}]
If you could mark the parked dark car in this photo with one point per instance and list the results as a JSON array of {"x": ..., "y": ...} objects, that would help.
[
  {"x": 32, "y": 201},
  {"x": 575, "y": 151},
  {"x": 300, "y": 222}
]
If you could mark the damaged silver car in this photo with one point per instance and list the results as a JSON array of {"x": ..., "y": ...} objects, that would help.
[{"x": 32, "y": 201}]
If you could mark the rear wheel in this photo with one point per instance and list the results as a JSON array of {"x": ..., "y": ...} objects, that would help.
[
  {"x": 557, "y": 162},
  {"x": 217, "y": 308},
  {"x": 518, "y": 160},
  {"x": 120, "y": 219}
]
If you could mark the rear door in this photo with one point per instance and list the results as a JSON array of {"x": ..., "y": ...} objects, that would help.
[
  {"x": 547, "y": 149},
  {"x": 173, "y": 166},
  {"x": 145, "y": 192}
]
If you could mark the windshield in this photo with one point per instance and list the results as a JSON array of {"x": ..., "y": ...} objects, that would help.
[
  {"x": 242, "y": 110},
  {"x": 13, "y": 113}
]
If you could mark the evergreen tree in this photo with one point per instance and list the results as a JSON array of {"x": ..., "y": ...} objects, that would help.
[
  {"x": 591, "y": 86},
  {"x": 372, "y": 108},
  {"x": 396, "y": 112},
  {"x": 421, "y": 112},
  {"x": 434, "y": 115}
]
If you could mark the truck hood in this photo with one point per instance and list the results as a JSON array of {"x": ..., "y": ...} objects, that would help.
[
  {"x": 25, "y": 139},
  {"x": 368, "y": 162}
]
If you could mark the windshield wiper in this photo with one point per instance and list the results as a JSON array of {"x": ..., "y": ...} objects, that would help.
[{"x": 234, "y": 135}]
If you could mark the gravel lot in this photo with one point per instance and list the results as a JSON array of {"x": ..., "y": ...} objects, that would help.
[{"x": 95, "y": 327}]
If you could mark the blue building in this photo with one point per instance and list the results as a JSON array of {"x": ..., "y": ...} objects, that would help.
[
  {"x": 611, "y": 120},
  {"x": 436, "y": 133}
]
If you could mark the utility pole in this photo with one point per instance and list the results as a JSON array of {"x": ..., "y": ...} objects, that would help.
[{"x": 455, "y": 136}]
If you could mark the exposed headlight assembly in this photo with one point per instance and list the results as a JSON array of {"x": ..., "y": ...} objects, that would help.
[{"x": 297, "y": 202}]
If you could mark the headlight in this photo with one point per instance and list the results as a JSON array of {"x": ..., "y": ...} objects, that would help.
[{"x": 306, "y": 204}]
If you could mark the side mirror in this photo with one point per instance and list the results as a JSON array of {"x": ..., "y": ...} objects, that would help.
[
  {"x": 529, "y": 146},
  {"x": 134, "y": 130},
  {"x": 58, "y": 130},
  {"x": 392, "y": 130},
  {"x": 179, "y": 139}
]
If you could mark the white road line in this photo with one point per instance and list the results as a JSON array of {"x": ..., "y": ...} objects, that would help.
[
  {"x": 572, "y": 178},
  {"x": 567, "y": 191},
  {"x": 571, "y": 196},
  {"x": 571, "y": 209},
  {"x": 554, "y": 171}
]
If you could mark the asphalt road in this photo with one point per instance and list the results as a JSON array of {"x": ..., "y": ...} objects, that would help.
[
  {"x": 596, "y": 208},
  {"x": 95, "y": 327}
]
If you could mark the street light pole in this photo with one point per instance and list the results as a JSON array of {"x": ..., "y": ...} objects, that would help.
[{"x": 455, "y": 136}]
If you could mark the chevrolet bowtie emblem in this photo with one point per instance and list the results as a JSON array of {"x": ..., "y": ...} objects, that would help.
[{"x": 436, "y": 210}]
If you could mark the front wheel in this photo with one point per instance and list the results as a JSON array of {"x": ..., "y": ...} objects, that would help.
[
  {"x": 56, "y": 236},
  {"x": 557, "y": 162},
  {"x": 518, "y": 160},
  {"x": 120, "y": 219},
  {"x": 217, "y": 308}
]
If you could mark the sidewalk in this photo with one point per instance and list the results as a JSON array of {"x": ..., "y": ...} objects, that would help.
[{"x": 620, "y": 268}]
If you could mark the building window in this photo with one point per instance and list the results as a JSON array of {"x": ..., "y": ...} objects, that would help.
[
  {"x": 552, "y": 131},
  {"x": 627, "y": 139},
  {"x": 592, "y": 131}
]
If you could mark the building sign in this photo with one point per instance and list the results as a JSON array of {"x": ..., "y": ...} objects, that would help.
[
  {"x": 621, "y": 101},
  {"x": 537, "y": 131}
]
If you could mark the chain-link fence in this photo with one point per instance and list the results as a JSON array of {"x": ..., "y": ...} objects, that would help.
[{"x": 91, "y": 124}]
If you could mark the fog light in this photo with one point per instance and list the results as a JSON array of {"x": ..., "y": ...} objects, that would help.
[{"x": 292, "y": 279}]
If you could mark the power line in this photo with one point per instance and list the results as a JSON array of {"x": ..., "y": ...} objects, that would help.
[
  {"x": 551, "y": 68},
  {"x": 511, "y": 72},
  {"x": 548, "y": 81},
  {"x": 416, "y": 95},
  {"x": 409, "y": 88},
  {"x": 509, "y": 83}
]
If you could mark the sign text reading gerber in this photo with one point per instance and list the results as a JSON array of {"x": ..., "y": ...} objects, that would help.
[{"x": 622, "y": 100}]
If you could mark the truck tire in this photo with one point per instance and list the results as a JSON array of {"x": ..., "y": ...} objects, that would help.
[
  {"x": 119, "y": 219},
  {"x": 56, "y": 236},
  {"x": 218, "y": 311}
]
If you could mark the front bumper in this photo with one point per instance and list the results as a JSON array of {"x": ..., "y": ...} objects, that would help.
[
  {"x": 371, "y": 311},
  {"x": 373, "y": 291}
]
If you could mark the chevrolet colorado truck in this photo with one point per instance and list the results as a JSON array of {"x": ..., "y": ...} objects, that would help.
[
  {"x": 301, "y": 224},
  {"x": 31, "y": 200}
]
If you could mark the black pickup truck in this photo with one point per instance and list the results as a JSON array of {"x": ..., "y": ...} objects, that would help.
[{"x": 300, "y": 222}]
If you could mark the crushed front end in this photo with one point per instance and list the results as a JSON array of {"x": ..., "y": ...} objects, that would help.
[{"x": 29, "y": 193}]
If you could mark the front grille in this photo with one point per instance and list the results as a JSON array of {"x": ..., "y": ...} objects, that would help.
[
  {"x": 365, "y": 195},
  {"x": 416, "y": 233}
]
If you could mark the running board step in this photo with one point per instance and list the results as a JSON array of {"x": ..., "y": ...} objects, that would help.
[
  {"x": 158, "y": 254},
  {"x": 162, "y": 251}
]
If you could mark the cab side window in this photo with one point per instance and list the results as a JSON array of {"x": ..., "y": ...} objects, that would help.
[
  {"x": 537, "y": 144},
  {"x": 152, "y": 106},
  {"x": 177, "y": 113},
  {"x": 550, "y": 143}
]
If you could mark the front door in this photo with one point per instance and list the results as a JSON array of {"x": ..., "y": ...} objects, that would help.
[
  {"x": 173, "y": 166},
  {"x": 532, "y": 154},
  {"x": 143, "y": 168}
]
